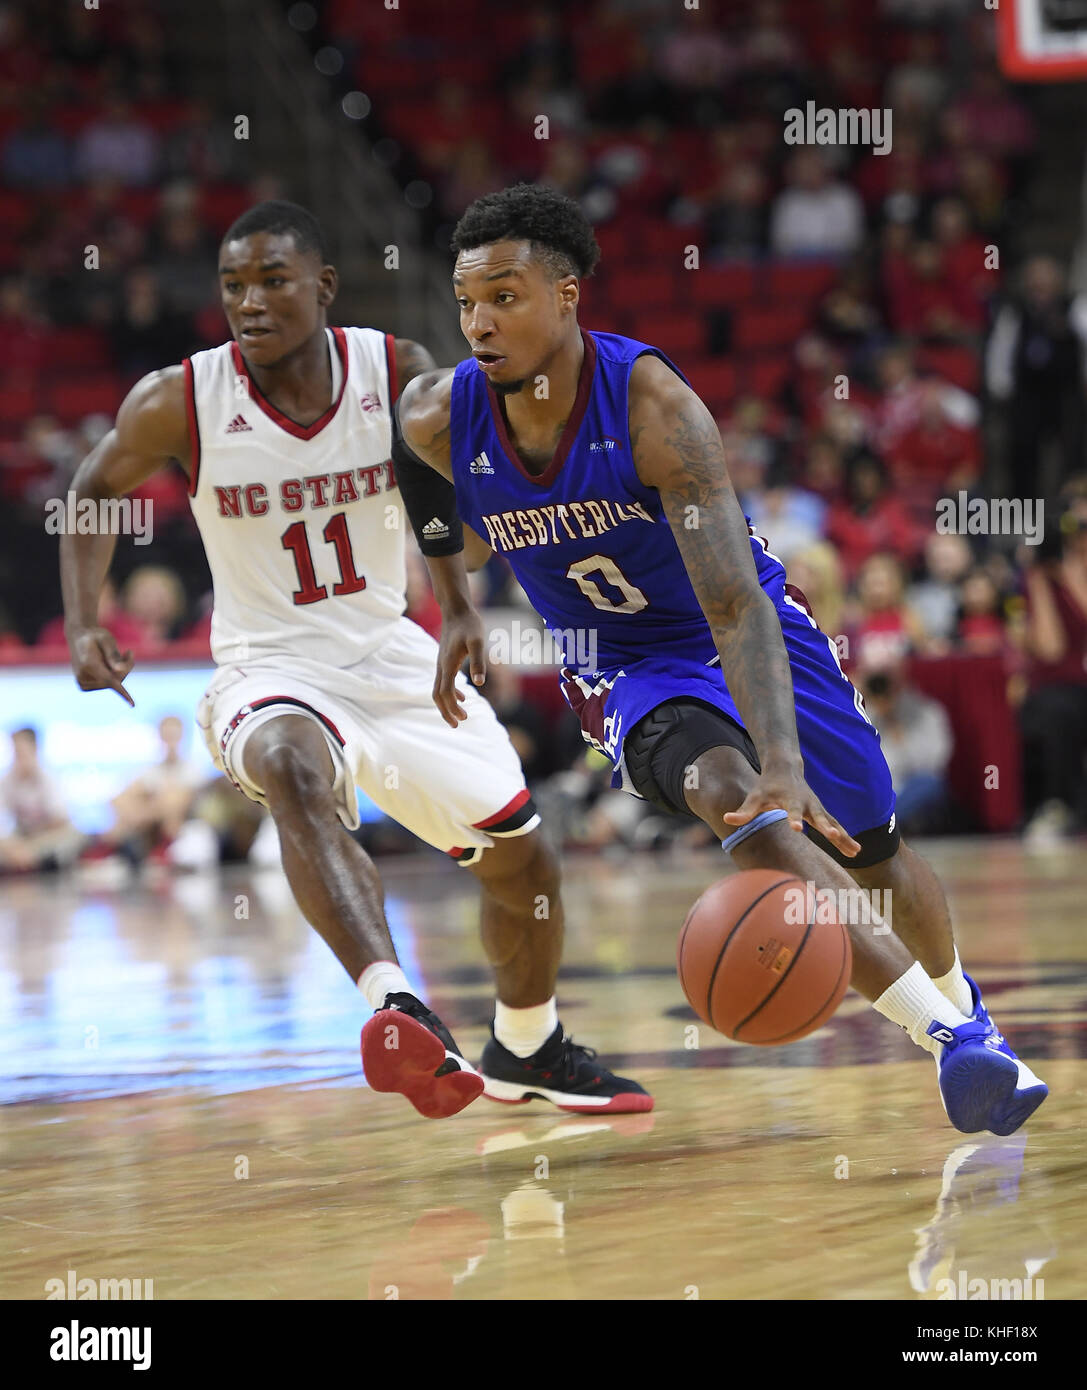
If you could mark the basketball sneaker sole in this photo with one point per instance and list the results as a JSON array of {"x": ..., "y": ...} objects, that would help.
[
  {"x": 409, "y": 1065},
  {"x": 980, "y": 1090},
  {"x": 516, "y": 1093}
]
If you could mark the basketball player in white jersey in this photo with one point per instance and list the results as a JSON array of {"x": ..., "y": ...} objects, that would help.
[{"x": 285, "y": 434}]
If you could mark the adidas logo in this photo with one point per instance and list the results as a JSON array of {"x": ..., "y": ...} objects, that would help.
[
  {"x": 238, "y": 424},
  {"x": 436, "y": 529},
  {"x": 370, "y": 402},
  {"x": 480, "y": 464}
]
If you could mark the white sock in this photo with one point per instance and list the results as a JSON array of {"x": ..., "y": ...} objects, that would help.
[
  {"x": 953, "y": 986},
  {"x": 913, "y": 1002},
  {"x": 524, "y": 1031},
  {"x": 382, "y": 978}
]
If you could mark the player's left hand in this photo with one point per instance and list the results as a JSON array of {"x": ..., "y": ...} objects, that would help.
[
  {"x": 461, "y": 640},
  {"x": 789, "y": 792}
]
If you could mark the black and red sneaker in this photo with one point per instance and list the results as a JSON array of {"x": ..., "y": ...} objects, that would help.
[
  {"x": 563, "y": 1072},
  {"x": 407, "y": 1048}
]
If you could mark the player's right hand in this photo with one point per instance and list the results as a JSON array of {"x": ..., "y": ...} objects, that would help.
[
  {"x": 461, "y": 640},
  {"x": 97, "y": 663}
]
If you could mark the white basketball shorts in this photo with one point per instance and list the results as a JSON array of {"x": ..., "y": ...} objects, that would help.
[{"x": 454, "y": 788}]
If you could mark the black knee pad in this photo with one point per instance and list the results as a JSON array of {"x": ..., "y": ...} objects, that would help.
[
  {"x": 877, "y": 844},
  {"x": 669, "y": 739}
]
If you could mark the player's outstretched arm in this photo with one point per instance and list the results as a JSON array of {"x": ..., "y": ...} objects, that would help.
[
  {"x": 424, "y": 471},
  {"x": 151, "y": 428},
  {"x": 678, "y": 450}
]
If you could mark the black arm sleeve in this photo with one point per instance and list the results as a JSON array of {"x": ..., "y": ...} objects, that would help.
[{"x": 429, "y": 499}]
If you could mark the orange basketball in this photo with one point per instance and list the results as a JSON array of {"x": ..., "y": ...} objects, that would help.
[{"x": 756, "y": 964}]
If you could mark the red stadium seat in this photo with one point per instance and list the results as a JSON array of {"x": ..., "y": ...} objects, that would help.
[
  {"x": 71, "y": 400},
  {"x": 715, "y": 380},
  {"x": 807, "y": 281},
  {"x": 769, "y": 328},
  {"x": 720, "y": 286},
  {"x": 643, "y": 289},
  {"x": 677, "y": 332},
  {"x": 17, "y": 405},
  {"x": 77, "y": 347},
  {"x": 221, "y": 203},
  {"x": 767, "y": 375}
]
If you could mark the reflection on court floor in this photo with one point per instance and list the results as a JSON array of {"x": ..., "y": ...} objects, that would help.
[{"x": 185, "y": 1105}]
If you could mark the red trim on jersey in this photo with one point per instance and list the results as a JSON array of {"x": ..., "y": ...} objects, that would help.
[
  {"x": 577, "y": 415},
  {"x": 276, "y": 416},
  {"x": 194, "y": 427},
  {"x": 390, "y": 363},
  {"x": 506, "y": 812}
]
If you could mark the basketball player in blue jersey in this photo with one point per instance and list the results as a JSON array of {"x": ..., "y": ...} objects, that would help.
[
  {"x": 284, "y": 433},
  {"x": 586, "y": 460}
]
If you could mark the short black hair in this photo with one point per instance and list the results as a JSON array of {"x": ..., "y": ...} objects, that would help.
[
  {"x": 560, "y": 233},
  {"x": 277, "y": 215}
]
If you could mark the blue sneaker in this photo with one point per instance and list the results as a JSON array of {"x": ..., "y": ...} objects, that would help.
[
  {"x": 983, "y": 1085},
  {"x": 1029, "y": 1091}
]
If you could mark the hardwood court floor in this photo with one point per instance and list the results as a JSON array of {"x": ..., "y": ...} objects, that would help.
[{"x": 186, "y": 1106}]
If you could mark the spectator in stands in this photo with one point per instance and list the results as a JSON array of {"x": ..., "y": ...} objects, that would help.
[
  {"x": 964, "y": 252},
  {"x": 472, "y": 172},
  {"x": 870, "y": 518},
  {"x": 184, "y": 261},
  {"x": 151, "y": 810},
  {"x": 928, "y": 302},
  {"x": 997, "y": 123},
  {"x": 695, "y": 59},
  {"x": 824, "y": 473},
  {"x": 936, "y": 456},
  {"x": 981, "y": 629},
  {"x": 145, "y": 335},
  {"x": 935, "y": 596},
  {"x": 118, "y": 145},
  {"x": 23, "y": 334},
  {"x": 817, "y": 573},
  {"x": 129, "y": 634},
  {"x": 1036, "y": 363},
  {"x": 202, "y": 147},
  {"x": 916, "y": 89},
  {"x": 887, "y": 629},
  {"x": 639, "y": 96},
  {"x": 737, "y": 214},
  {"x": 915, "y": 735},
  {"x": 154, "y": 597},
  {"x": 1054, "y": 715},
  {"x": 39, "y": 834},
  {"x": 903, "y": 395},
  {"x": 790, "y": 517},
  {"x": 815, "y": 216},
  {"x": 36, "y": 153},
  {"x": 547, "y": 42}
]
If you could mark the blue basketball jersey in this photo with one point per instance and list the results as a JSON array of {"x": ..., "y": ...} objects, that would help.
[{"x": 588, "y": 541}]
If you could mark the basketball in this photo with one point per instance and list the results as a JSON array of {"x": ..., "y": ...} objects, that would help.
[{"x": 758, "y": 962}]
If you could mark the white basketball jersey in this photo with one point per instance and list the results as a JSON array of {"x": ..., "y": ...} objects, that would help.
[{"x": 303, "y": 525}]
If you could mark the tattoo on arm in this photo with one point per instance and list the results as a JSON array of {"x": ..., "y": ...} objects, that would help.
[{"x": 713, "y": 539}]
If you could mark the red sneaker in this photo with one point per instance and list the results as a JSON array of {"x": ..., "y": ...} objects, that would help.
[{"x": 407, "y": 1048}]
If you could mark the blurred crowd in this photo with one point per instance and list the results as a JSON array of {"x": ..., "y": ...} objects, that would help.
[{"x": 866, "y": 327}]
